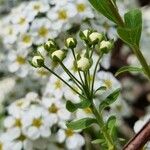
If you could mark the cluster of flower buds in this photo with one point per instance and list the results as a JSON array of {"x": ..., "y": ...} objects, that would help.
[{"x": 93, "y": 40}]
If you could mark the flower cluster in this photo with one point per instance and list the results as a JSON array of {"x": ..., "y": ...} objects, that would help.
[
  {"x": 32, "y": 23},
  {"x": 31, "y": 119}
]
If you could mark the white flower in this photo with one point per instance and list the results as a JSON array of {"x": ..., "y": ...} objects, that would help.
[
  {"x": 72, "y": 139},
  {"x": 41, "y": 30},
  {"x": 140, "y": 123},
  {"x": 24, "y": 41},
  {"x": 109, "y": 81},
  {"x": 35, "y": 124},
  {"x": 6, "y": 86},
  {"x": 18, "y": 140},
  {"x": 61, "y": 15},
  {"x": 9, "y": 34},
  {"x": 5, "y": 144},
  {"x": 17, "y": 62},
  {"x": 56, "y": 110},
  {"x": 38, "y": 7},
  {"x": 83, "y": 113},
  {"x": 83, "y": 9},
  {"x": 54, "y": 87}
]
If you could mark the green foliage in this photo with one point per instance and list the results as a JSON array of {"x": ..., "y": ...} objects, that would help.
[
  {"x": 131, "y": 33},
  {"x": 108, "y": 8},
  {"x": 73, "y": 107},
  {"x": 128, "y": 69},
  {"x": 109, "y": 100},
  {"x": 81, "y": 124},
  {"x": 111, "y": 127}
]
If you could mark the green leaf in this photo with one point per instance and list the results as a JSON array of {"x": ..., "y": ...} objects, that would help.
[
  {"x": 128, "y": 69},
  {"x": 100, "y": 88},
  {"x": 131, "y": 33},
  {"x": 109, "y": 100},
  {"x": 81, "y": 124},
  {"x": 98, "y": 141},
  {"x": 107, "y": 8},
  {"x": 133, "y": 18},
  {"x": 111, "y": 125},
  {"x": 74, "y": 106}
]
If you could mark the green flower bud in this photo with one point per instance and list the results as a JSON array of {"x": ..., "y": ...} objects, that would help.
[
  {"x": 71, "y": 42},
  {"x": 83, "y": 64},
  {"x": 106, "y": 46},
  {"x": 84, "y": 35},
  {"x": 58, "y": 55},
  {"x": 95, "y": 37},
  {"x": 50, "y": 46},
  {"x": 37, "y": 61}
]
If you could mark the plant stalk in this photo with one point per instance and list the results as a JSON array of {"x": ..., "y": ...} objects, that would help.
[{"x": 111, "y": 145}]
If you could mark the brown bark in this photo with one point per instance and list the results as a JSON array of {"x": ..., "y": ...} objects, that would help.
[{"x": 140, "y": 139}]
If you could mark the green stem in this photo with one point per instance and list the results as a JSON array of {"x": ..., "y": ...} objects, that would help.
[
  {"x": 111, "y": 145},
  {"x": 76, "y": 66},
  {"x": 51, "y": 71},
  {"x": 94, "y": 74},
  {"x": 76, "y": 81},
  {"x": 142, "y": 60}
]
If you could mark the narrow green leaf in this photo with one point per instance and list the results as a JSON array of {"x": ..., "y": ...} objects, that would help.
[
  {"x": 128, "y": 69},
  {"x": 100, "y": 88},
  {"x": 98, "y": 141},
  {"x": 81, "y": 124},
  {"x": 109, "y": 100},
  {"x": 74, "y": 106}
]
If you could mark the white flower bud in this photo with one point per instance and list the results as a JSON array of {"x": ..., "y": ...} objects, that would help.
[
  {"x": 106, "y": 46},
  {"x": 37, "y": 61},
  {"x": 95, "y": 37},
  {"x": 71, "y": 42},
  {"x": 83, "y": 64},
  {"x": 59, "y": 54}
]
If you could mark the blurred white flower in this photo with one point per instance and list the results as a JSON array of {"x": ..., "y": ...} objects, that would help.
[
  {"x": 108, "y": 80},
  {"x": 17, "y": 62},
  {"x": 41, "y": 30},
  {"x": 54, "y": 87},
  {"x": 141, "y": 122},
  {"x": 73, "y": 140},
  {"x": 83, "y": 9},
  {"x": 83, "y": 113},
  {"x": 61, "y": 16},
  {"x": 37, "y": 7},
  {"x": 24, "y": 41}
]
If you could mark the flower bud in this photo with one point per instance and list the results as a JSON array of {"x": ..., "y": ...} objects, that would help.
[
  {"x": 84, "y": 35},
  {"x": 71, "y": 42},
  {"x": 50, "y": 46},
  {"x": 37, "y": 61},
  {"x": 58, "y": 55},
  {"x": 106, "y": 46},
  {"x": 83, "y": 64},
  {"x": 95, "y": 37}
]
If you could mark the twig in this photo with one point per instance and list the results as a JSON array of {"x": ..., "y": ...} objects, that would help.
[{"x": 140, "y": 139}]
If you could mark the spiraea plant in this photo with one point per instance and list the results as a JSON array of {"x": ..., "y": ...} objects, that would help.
[{"x": 83, "y": 82}]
